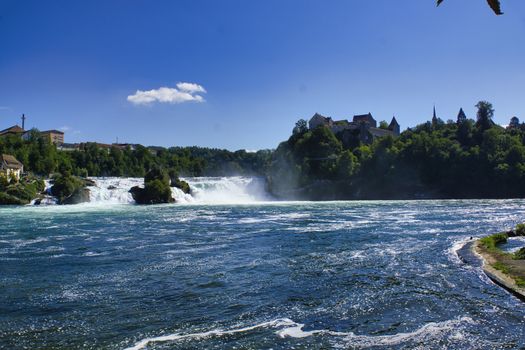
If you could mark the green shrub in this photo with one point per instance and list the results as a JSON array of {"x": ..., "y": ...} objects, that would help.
[
  {"x": 9, "y": 199},
  {"x": 181, "y": 184},
  {"x": 154, "y": 192},
  {"x": 4, "y": 182},
  {"x": 520, "y": 254},
  {"x": 157, "y": 173},
  {"x": 65, "y": 186},
  {"x": 176, "y": 182},
  {"x": 82, "y": 172},
  {"x": 24, "y": 192},
  {"x": 520, "y": 282},
  {"x": 491, "y": 242},
  {"x": 501, "y": 267},
  {"x": 40, "y": 185},
  {"x": 520, "y": 229},
  {"x": 158, "y": 191}
]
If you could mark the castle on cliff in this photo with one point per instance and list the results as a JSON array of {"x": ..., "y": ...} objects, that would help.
[{"x": 364, "y": 125}]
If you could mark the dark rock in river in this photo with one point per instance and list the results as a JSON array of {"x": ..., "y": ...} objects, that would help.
[
  {"x": 155, "y": 192},
  {"x": 89, "y": 182},
  {"x": 175, "y": 181},
  {"x": 80, "y": 195},
  {"x": 156, "y": 188},
  {"x": 181, "y": 184},
  {"x": 70, "y": 189}
]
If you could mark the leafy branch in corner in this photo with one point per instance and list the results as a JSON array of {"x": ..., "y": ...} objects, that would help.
[{"x": 494, "y": 5}]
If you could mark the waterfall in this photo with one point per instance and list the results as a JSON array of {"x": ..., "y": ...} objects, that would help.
[
  {"x": 205, "y": 190},
  {"x": 233, "y": 189},
  {"x": 113, "y": 190}
]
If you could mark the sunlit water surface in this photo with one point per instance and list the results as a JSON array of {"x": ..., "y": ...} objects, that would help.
[{"x": 339, "y": 275}]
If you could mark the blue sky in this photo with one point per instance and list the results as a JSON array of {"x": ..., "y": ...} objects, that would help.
[{"x": 256, "y": 66}]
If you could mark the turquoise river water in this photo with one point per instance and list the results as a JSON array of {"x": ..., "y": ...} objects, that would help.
[{"x": 294, "y": 275}]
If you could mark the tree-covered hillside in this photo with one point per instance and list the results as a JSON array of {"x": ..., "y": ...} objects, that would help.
[
  {"x": 42, "y": 158},
  {"x": 456, "y": 159}
]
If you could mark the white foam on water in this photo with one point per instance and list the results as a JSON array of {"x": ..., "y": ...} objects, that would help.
[
  {"x": 429, "y": 331},
  {"x": 452, "y": 252},
  {"x": 113, "y": 190},
  {"x": 180, "y": 196},
  {"x": 453, "y": 256},
  {"x": 292, "y": 329},
  {"x": 280, "y": 322}
]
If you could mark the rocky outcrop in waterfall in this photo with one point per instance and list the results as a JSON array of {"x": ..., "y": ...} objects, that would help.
[
  {"x": 156, "y": 188},
  {"x": 175, "y": 181},
  {"x": 70, "y": 189}
]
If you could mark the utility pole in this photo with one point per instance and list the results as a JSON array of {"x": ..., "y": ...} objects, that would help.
[{"x": 23, "y": 121}]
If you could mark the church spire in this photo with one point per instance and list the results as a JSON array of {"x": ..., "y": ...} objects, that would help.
[{"x": 434, "y": 116}]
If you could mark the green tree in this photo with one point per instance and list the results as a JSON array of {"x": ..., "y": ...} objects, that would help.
[
  {"x": 300, "y": 127},
  {"x": 484, "y": 115}
]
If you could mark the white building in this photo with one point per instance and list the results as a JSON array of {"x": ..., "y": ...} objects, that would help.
[{"x": 10, "y": 165}]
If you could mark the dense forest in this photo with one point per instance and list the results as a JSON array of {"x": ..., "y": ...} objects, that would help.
[
  {"x": 455, "y": 159},
  {"x": 42, "y": 158}
]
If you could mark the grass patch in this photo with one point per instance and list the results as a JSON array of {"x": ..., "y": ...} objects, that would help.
[
  {"x": 519, "y": 255},
  {"x": 520, "y": 282},
  {"x": 501, "y": 267},
  {"x": 503, "y": 261},
  {"x": 491, "y": 242},
  {"x": 520, "y": 229}
]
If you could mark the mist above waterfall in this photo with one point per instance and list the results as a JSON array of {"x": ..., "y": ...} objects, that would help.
[{"x": 234, "y": 189}]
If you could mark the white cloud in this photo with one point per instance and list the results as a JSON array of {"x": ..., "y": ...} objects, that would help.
[
  {"x": 190, "y": 87},
  {"x": 184, "y": 92},
  {"x": 64, "y": 128}
]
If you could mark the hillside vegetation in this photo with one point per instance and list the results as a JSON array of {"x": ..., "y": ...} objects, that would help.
[
  {"x": 42, "y": 158},
  {"x": 457, "y": 159}
]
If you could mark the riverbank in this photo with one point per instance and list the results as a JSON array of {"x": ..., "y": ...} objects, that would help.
[{"x": 505, "y": 269}]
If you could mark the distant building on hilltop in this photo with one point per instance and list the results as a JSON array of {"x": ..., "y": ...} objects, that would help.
[
  {"x": 52, "y": 136},
  {"x": 123, "y": 146},
  {"x": 364, "y": 125},
  {"x": 10, "y": 166},
  {"x": 14, "y": 130},
  {"x": 55, "y": 137}
]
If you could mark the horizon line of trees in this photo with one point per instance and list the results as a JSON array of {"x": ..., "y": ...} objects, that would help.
[{"x": 41, "y": 157}]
